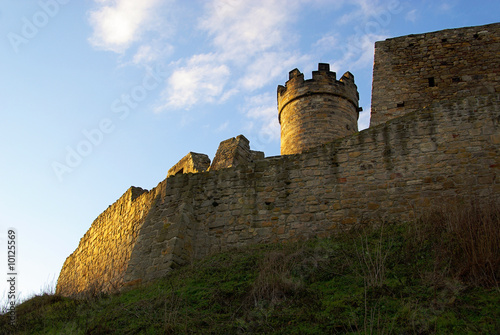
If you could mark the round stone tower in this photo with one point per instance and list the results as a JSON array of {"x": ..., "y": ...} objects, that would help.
[{"x": 316, "y": 111}]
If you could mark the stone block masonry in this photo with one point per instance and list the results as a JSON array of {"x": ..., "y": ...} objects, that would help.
[
  {"x": 103, "y": 254},
  {"x": 447, "y": 151},
  {"x": 439, "y": 143},
  {"x": 411, "y": 72}
]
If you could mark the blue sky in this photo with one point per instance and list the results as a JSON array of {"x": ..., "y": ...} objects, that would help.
[{"x": 99, "y": 95}]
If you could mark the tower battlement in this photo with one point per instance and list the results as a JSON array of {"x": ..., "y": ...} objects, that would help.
[
  {"x": 323, "y": 81},
  {"x": 318, "y": 110}
]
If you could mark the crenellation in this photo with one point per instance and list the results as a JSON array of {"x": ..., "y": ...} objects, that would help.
[
  {"x": 297, "y": 75},
  {"x": 323, "y": 73},
  {"x": 426, "y": 146}
]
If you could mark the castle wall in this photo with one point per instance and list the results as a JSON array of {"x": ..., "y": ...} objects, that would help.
[
  {"x": 393, "y": 171},
  {"x": 316, "y": 111},
  {"x": 103, "y": 254},
  {"x": 413, "y": 71},
  {"x": 441, "y": 144}
]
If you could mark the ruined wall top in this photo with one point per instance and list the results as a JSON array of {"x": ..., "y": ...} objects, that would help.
[
  {"x": 191, "y": 163},
  {"x": 234, "y": 151}
]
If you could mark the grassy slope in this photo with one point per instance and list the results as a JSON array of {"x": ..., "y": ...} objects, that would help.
[{"x": 391, "y": 279}]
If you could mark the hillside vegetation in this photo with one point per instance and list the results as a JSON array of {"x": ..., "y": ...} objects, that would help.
[{"x": 437, "y": 275}]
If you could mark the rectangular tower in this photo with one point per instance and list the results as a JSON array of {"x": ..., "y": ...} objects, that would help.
[{"x": 411, "y": 72}]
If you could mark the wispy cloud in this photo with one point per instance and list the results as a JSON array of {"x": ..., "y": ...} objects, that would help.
[
  {"x": 371, "y": 12},
  {"x": 356, "y": 54},
  {"x": 261, "y": 110},
  {"x": 267, "y": 67},
  {"x": 242, "y": 29},
  {"x": 222, "y": 127},
  {"x": 327, "y": 42},
  {"x": 249, "y": 49},
  {"x": 412, "y": 15},
  {"x": 364, "y": 119},
  {"x": 201, "y": 79},
  {"x": 247, "y": 45},
  {"x": 370, "y": 19},
  {"x": 119, "y": 23},
  {"x": 447, "y": 6},
  {"x": 145, "y": 54},
  {"x": 362, "y": 10}
]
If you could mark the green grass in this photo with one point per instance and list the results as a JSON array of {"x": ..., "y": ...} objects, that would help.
[{"x": 400, "y": 278}]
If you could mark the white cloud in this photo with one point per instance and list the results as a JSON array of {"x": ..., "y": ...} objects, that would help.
[
  {"x": 368, "y": 7},
  {"x": 149, "y": 53},
  {"x": 376, "y": 11},
  {"x": 248, "y": 40},
  {"x": 411, "y": 16},
  {"x": 357, "y": 53},
  {"x": 242, "y": 29},
  {"x": 370, "y": 20},
  {"x": 201, "y": 80},
  {"x": 222, "y": 127},
  {"x": 228, "y": 93},
  {"x": 363, "y": 10},
  {"x": 251, "y": 43},
  {"x": 327, "y": 42},
  {"x": 145, "y": 53},
  {"x": 364, "y": 119},
  {"x": 447, "y": 6},
  {"x": 261, "y": 109},
  {"x": 268, "y": 67},
  {"x": 119, "y": 23}
]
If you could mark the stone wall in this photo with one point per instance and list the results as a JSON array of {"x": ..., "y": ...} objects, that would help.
[
  {"x": 103, "y": 253},
  {"x": 411, "y": 72},
  {"x": 315, "y": 111},
  {"x": 393, "y": 172},
  {"x": 444, "y": 146}
]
